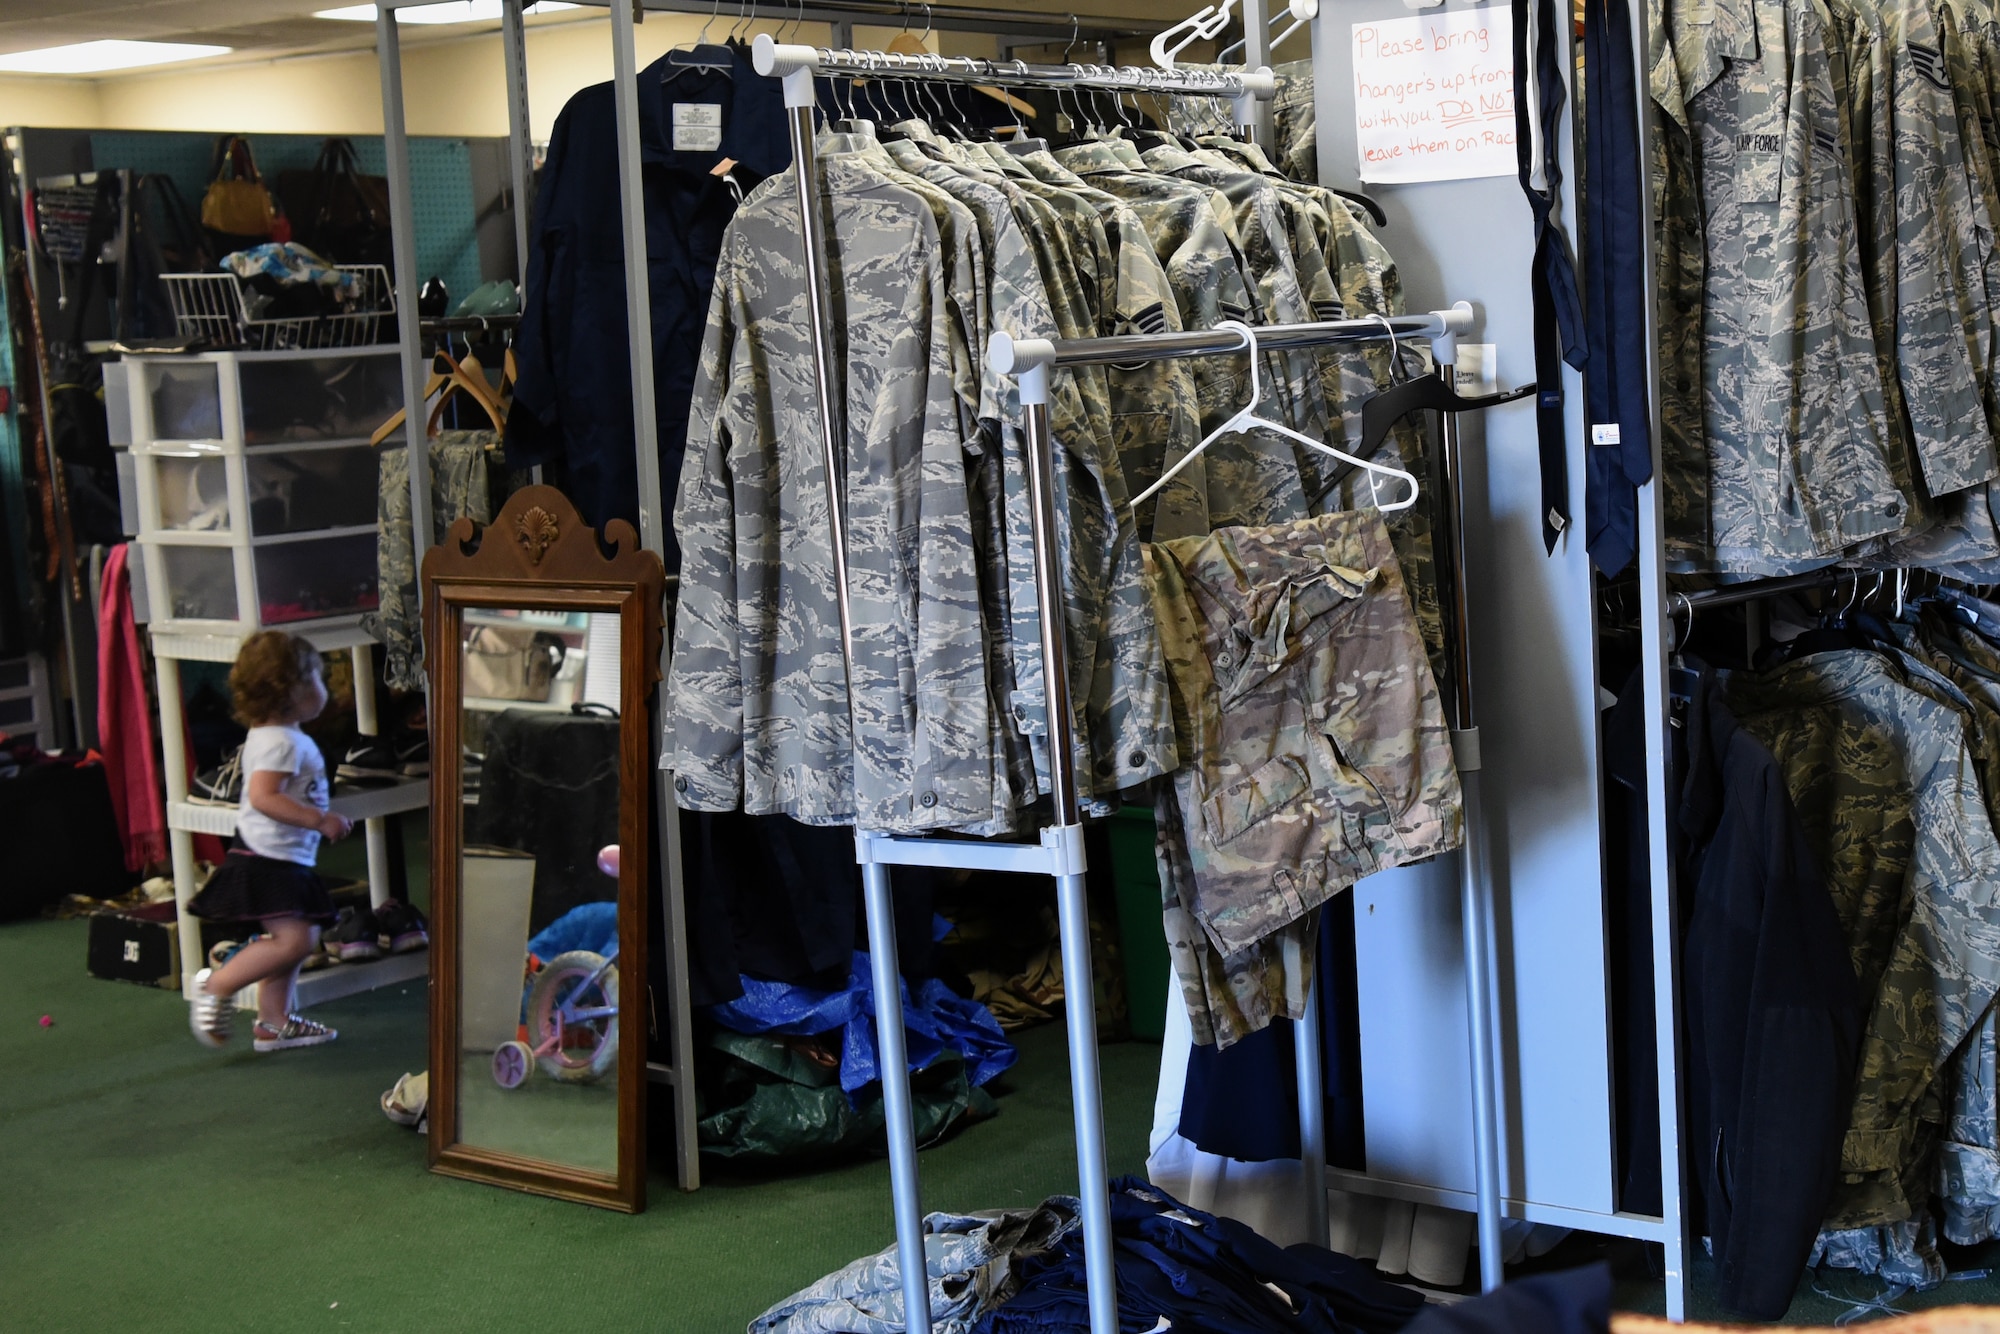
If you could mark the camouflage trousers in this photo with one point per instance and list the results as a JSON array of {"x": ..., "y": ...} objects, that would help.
[
  {"x": 1315, "y": 750},
  {"x": 467, "y": 481}
]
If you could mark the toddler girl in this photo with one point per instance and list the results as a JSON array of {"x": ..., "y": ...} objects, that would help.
[{"x": 269, "y": 879}]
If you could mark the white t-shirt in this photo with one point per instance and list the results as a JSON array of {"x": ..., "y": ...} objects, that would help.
[{"x": 288, "y": 751}]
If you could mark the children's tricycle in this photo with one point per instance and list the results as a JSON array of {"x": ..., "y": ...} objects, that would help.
[{"x": 572, "y": 1016}]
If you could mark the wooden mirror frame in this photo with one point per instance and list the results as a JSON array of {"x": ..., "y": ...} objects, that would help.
[{"x": 538, "y": 553}]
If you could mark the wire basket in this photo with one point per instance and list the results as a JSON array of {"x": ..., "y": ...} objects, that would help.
[{"x": 215, "y": 306}]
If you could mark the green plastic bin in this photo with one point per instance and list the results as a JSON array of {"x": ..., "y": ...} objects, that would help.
[{"x": 1140, "y": 934}]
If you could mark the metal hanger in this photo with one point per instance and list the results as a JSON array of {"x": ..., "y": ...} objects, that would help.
[
  {"x": 703, "y": 55},
  {"x": 1246, "y": 419}
]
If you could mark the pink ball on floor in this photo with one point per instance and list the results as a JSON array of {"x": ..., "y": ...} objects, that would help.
[{"x": 48, "y": 1022}]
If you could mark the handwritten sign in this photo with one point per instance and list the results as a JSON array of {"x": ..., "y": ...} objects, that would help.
[{"x": 1434, "y": 96}]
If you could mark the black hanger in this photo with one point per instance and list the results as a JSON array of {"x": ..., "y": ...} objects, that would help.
[
  {"x": 1427, "y": 392},
  {"x": 1374, "y": 209},
  {"x": 1380, "y": 413}
]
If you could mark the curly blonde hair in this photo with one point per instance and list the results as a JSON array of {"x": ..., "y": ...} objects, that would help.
[{"x": 270, "y": 668}]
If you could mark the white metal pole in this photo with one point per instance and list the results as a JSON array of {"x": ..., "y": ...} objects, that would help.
[
  {"x": 180, "y": 843},
  {"x": 520, "y": 145},
  {"x": 1653, "y": 630},
  {"x": 1257, "y": 55},
  {"x": 403, "y": 234},
  {"x": 368, "y": 723},
  {"x": 653, "y": 527}
]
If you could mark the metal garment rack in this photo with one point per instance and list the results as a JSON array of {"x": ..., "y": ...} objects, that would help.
[
  {"x": 1031, "y": 360},
  {"x": 1060, "y": 853}
]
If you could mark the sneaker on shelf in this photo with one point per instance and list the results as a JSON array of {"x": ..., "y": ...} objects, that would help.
[
  {"x": 413, "y": 756},
  {"x": 403, "y": 929},
  {"x": 353, "y": 937},
  {"x": 210, "y": 1017},
  {"x": 369, "y": 759},
  {"x": 222, "y": 785},
  {"x": 298, "y": 1031}
]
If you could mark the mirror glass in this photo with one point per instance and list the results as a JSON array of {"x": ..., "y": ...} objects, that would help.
[{"x": 538, "y": 942}]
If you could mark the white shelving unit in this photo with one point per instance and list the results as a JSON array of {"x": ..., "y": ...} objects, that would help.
[{"x": 256, "y": 487}]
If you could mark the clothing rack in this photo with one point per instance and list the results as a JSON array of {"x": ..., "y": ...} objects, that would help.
[
  {"x": 1060, "y": 851},
  {"x": 1030, "y": 360}
]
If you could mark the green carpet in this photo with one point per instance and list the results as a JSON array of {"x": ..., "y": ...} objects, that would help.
[{"x": 151, "y": 1183}]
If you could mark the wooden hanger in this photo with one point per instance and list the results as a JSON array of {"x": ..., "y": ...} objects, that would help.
[
  {"x": 468, "y": 377},
  {"x": 458, "y": 380}
]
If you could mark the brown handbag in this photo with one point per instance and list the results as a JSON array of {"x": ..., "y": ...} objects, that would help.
[{"x": 237, "y": 208}]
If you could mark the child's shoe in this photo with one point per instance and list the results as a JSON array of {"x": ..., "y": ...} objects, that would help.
[
  {"x": 298, "y": 1031},
  {"x": 210, "y": 1017},
  {"x": 353, "y": 937},
  {"x": 402, "y": 929}
]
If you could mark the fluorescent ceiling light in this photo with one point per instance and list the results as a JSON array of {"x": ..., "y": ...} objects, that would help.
[
  {"x": 451, "y": 11},
  {"x": 96, "y": 57}
]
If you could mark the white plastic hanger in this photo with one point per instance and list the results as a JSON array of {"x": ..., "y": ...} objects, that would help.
[
  {"x": 1301, "y": 12},
  {"x": 1246, "y": 419},
  {"x": 1203, "y": 25}
]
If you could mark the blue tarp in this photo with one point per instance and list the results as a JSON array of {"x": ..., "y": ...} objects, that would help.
[
  {"x": 588, "y": 926},
  {"x": 934, "y": 1021}
]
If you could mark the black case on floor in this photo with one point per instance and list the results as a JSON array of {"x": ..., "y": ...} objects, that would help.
[
  {"x": 58, "y": 836},
  {"x": 138, "y": 946}
]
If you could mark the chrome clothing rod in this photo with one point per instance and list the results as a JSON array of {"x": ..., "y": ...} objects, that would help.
[
  {"x": 1728, "y": 596},
  {"x": 777, "y": 59},
  {"x": 1011, "y": 356}
]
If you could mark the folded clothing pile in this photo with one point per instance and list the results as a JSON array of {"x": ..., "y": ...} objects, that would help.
[{"x": 1177, "y": 1268}]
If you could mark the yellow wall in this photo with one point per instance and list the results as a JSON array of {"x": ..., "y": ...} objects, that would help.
[
  {"x": 451, "y": 86},
  {"x": 58, "y": 104}
]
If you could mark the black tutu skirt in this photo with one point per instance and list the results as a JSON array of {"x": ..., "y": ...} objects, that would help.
[{"x": 247, "y": 888}]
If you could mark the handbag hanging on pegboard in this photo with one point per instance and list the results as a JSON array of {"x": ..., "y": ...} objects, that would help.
[
  {"x": 336, "y": 212},
  {"x": 509, "y": 663},
  {"x": 236, "y": 210}
]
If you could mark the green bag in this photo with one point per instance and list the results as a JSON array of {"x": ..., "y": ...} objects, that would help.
[{"x": 765, "y": 1101}]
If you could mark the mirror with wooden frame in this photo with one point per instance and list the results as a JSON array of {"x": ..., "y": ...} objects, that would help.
[{"x": 543, "y": 644}]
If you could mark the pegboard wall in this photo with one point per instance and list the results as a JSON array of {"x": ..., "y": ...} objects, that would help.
[
  {"x": 440, "y": 181},
  {"x": 13, "y": 486}
]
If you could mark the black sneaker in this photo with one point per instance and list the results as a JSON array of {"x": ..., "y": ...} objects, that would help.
[
  {"x": 402, "y": 929},
  {"x": 222, "y": 785},
  {"x": 370, "y": 759},
  {"x": 413, "y": 756},
  {"x": 354, "y": 937}
]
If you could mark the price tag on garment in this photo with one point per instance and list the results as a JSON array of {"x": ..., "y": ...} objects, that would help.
[
  {"x": 697, "y": 127},
  {"x": 1434, "y": 96},
  {"x": 1606, "y": 433}
]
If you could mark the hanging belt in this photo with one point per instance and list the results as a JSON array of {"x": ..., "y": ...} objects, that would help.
[{"x": 1558, "y": 310}]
